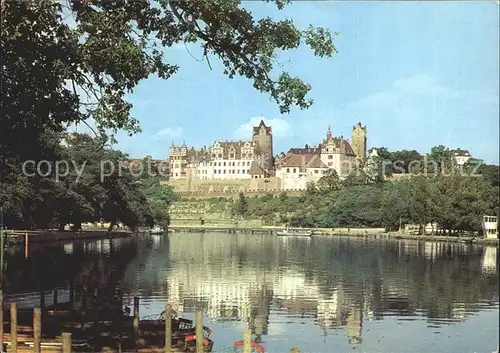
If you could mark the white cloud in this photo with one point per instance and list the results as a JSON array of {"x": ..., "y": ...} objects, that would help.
[
  {"x": 280, "y": 127},
  {"x": 171, "y": 132},
  {"x": 421, "y": 85}
]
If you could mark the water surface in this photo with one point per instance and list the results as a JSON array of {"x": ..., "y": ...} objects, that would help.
[{"x": 323, "y": 294}]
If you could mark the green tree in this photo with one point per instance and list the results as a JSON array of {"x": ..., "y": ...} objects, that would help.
[
  {"x": 464, "y": 201},
  {"x": 329, "y": 182},
  {"x": 394, "y": 206},
  {"x": 356, "y": 206},
  {"x": 423, "y": 198},
  {"x": 241, "y": 207},
  {"x": 440, "y": 161},
  {"x": 113, "y": 45},
  {"x": 358, "y": 176},
  {"x": 490, "y": 173},
  {"x": 405, "y": 161}
]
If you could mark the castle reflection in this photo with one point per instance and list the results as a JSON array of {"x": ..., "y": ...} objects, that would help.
[{"x": 336, "y": 283}]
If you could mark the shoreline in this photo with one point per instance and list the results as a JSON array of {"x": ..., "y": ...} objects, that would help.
[
  {"x": 370, "y": 233},
  {"x": 47, "y": 236}
]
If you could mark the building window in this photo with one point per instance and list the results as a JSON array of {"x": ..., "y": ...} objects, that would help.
[
  {"x": 220, "y": 163},
  {"x": 294, "y": 170},
  {"x": 238, "y": 172},
  {"x": 233, "y": 164},
  {"x": 330, "y": 156},
  {"x": 330, "y": 164},
  {"x": 220, "y": 155},
  {"x": 231, "y": 155},
  {"x": 224, "y": 164},
  {"x": 238, "y": 164},
  {"x": 315, "y": 171},
  {"x": 248, "y": 171},
  {"x": 243, "y": 171},
  {"x": 248, "y": 163},
  {"x": 288, "y": 170},
  {"x": 224, "y": 171}
]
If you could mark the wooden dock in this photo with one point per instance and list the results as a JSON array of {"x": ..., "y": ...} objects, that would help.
[
  {"x": 44, "y": 237},
  {"x": 22, "y": 338}
]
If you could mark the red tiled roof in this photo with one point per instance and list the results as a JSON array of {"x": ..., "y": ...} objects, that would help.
[{"x": 303, "y": 160}]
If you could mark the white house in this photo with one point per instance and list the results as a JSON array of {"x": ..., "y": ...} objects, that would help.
[
  {"x": 490, "y": 227},
  {"x": 296, "y": 170},
  {"x": 461, "y": 156}
]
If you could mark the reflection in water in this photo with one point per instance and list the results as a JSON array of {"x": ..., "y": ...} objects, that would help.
[{"x": 273, "y": 284}]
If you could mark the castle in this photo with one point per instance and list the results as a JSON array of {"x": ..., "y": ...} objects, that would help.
[
  {"x": 300, "y": 166},
  {"x": 226, "y": 159}
]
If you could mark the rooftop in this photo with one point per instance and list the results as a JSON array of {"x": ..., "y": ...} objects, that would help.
[{"x": 461, "y": 153}]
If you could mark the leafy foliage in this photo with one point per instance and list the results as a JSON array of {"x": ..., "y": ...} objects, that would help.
[
  {"x": 67, "y": 61},
  {"x": 93, "y": 185}
]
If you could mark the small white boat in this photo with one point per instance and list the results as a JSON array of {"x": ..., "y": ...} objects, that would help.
[
  {"x": 156, "y": 230},
  {"x": 296, "y": 233}
]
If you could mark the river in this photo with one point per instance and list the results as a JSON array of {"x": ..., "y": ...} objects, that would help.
[{"x": 320, "y": 294}]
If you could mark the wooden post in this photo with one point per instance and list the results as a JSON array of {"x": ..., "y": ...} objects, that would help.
[
  {"x": 42, "y": 298},
  {"x": 247, "y": 341},
  {"x": 13, "y": 327},
  {"x": 37, "y": 329},
  {"x": 66, "y": 342},
  {"x": 136, "y": 314},
  {"x": 1, "y": 316},
  {"x": 26, "y": 242},
  {"x": 71, "y": 294},
  {"x": 199, "y": 330},
  {"x": 168, "y": 328}
]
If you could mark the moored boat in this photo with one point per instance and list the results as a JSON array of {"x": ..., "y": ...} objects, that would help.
[{"x": 296, "y": 233}]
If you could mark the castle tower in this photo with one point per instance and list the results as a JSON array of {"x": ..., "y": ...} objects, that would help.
[
  {"x": 263, "y": 139},
  {"x": 329, "y": 133},
  {"x": 359, "y": 141}
]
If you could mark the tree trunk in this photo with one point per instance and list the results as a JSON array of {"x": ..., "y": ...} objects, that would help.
[
  {"x": 77, "y": 226},
  {"x": 111, "y": 226}
]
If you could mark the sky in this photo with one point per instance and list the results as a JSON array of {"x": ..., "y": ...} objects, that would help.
[{"x": 417, "y": 74}]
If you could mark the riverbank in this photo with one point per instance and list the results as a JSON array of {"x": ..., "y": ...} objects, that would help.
[
  {"x": 54, "y": 236},
  {"x": 440, "y": 238},
  {"x": 374, "y": 233}
]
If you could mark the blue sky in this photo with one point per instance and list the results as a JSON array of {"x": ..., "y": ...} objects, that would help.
[{"x": 418, "y": 74}]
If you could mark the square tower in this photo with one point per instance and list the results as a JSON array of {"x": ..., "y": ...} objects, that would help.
[
  {"x": 263, "y": 138},
  {"x": 359, "y": 140}
]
